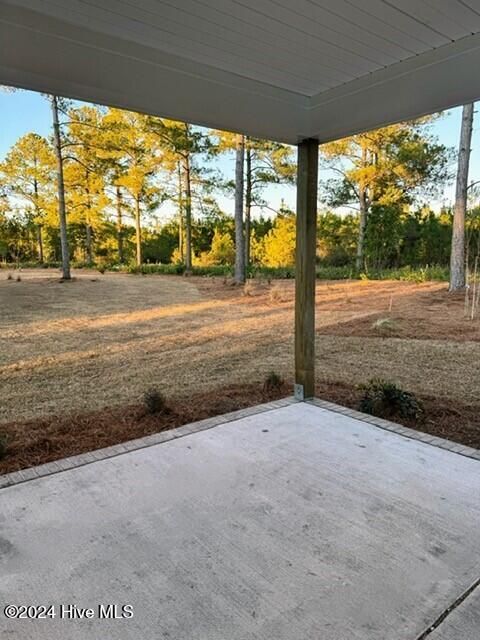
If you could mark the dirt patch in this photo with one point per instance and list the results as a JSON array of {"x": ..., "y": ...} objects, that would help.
[
  {"x": 34, "y": 442},
  {"x": 428, "y": 315}
]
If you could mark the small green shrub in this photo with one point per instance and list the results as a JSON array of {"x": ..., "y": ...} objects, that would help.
[
  {"x": 273, "y": 382},
  {"x": 384, "y": 325},
  {"x": 154, "y": 401},
  {"x": 386, "y": 399},
  {"x": 166, "y": 269},
  {"x": 326, "y": 272},
  {"x": 3, "y": 445}
]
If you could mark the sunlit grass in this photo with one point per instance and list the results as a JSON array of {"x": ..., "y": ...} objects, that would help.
[{"x": 88, "y": 344}]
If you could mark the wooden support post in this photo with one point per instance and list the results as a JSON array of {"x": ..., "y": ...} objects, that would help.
[{"x": 307, "y": 185}]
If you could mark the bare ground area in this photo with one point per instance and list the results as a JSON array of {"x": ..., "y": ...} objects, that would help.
[{"x": 72, "y": 354}]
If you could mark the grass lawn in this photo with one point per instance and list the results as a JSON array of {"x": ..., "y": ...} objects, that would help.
[{"x": 76, "y": 357}]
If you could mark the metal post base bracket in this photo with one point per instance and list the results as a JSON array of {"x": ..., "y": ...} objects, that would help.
[{"x": 299, "y": 392}]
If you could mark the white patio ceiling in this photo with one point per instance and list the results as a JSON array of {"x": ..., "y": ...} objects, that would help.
[{"x": 281, "y": 69}]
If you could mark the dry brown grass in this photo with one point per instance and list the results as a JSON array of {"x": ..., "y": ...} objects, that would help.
[{"x": 102, "y": 340}]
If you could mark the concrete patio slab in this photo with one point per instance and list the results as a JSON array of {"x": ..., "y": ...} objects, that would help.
[
  {"x": 296, "y": 523},
  {"x": 463, "y": 622}
]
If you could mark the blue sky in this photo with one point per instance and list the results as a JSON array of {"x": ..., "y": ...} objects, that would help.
[{"x": 25, "y": 111}]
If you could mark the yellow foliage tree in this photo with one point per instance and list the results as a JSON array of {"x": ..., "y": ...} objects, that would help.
[
  {"x": 85, "y": 173},
  {"x": 279, "y": 244},
  {"x": 223, "y": 249},
  {"x": 27, "y": 175},
  {"x": 131, "y": 143}
]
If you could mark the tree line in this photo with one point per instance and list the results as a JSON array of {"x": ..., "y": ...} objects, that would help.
[{"x": 94, "y": 189}]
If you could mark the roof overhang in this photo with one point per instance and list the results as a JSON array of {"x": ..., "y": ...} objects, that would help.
[{"x": 44, "y": 53}]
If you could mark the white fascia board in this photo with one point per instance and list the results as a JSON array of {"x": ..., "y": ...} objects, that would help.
[
  {"x": 440, "y": 79},
  {"x": 44, "y": 54}
]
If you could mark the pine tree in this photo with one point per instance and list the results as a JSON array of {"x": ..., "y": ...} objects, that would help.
[
  {"x": 265, "y": 163},
  {"x": 129, "y": 141},
  {"x": 457, "y": 259},
  {"x": 85, "y": 173},
  {"x": 56, "y": 105},
  {"x": 27, "y": 174},
  {"x": 181, "y": 143},
  {"x": 239, "y": 229},
  {"x": 389, "y": 166}
]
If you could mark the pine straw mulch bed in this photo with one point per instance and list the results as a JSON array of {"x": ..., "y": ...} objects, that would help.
[
  {"x": 453, "y": 420},
  {"x": 34, "y": 442}
]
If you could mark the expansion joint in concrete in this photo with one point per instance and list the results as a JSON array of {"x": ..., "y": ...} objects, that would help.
[{"x": 444, "y": 615}]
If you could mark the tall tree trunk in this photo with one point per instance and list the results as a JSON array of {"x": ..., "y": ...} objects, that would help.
[
  {"x": 180, "y": 212},
  {"x": 362, "y": 200},
  {"x": 457, "y": 256},
  {"x": 138, "y": 231},
  {"x": 119, "y": 225},
  {"x": 62, "y": 215},
  {"x": 360, "y": 259},
  {"x": 38, "y": 225},
  {"x": 248, "y": 203},
  {"x": 188, "y": 216},
  {"x": 40, "y": 243},
  {"x": 88, "y": 228},
  {"x": 239, "y": 231},
  {"x": 88, "y": 243}
]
